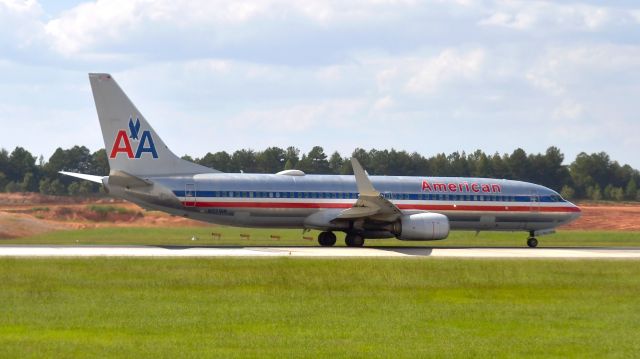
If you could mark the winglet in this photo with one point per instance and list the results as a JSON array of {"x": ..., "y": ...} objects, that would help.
[{"x": 365, "y": 187}]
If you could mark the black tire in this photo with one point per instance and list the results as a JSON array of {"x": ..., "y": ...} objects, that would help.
[
  {"x": 327, "y": 239},
  {"x": 354, "y": 240},
  {"x": 532, "y": 242}
]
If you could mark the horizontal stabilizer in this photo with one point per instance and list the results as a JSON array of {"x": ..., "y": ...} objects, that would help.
[{"x": 92, "y": 178}]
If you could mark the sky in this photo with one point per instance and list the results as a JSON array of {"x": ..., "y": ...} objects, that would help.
[{"x": 429, "y": 76}]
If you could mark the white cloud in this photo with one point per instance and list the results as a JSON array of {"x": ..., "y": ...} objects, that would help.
[
  {"x": 518, "y": 21},
  {"x": 449, "y": 65},
  {"x": 19, "y": 22},
  {"x": 542, "y": 79},
  {"x": 79, "y": 28},
  {"x": 329, "y": 114},
  {"x": 383, "y": 104},
  {"x": 545, "y": 16},
  {"x": 93, "y": 24},
  {"x": 568, "y": 110},
  {"x": 20, "y": 7},
  {"x": 561, "y": 70}
]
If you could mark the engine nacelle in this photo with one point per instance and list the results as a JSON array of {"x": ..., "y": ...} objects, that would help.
[{"x": 423, "y": 227}]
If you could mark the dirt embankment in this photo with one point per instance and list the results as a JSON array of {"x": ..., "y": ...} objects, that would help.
[
  {"x": 607, "y": 217},
  {"x": 29, "y": 214}
]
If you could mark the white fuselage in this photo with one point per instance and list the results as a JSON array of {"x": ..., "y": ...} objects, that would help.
[{"x": 266, "y": 200}]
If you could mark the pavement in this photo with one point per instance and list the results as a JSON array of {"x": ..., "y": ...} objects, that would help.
[{"x": 316, "y": 252}]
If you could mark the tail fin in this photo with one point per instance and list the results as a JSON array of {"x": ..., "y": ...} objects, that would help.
[{"x": 132, "y": 145}]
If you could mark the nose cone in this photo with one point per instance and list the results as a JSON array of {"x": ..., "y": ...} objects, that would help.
[{"x": 574, "y": 213}]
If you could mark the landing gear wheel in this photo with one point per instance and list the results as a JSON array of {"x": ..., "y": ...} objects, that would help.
[
  {"x": 354, "y": 240},
  {"x": 327, "y": 239},
  {"x": 532, "y": 242}
]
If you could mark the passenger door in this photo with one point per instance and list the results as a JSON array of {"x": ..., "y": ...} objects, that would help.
[{"x": 534, "y": 204}]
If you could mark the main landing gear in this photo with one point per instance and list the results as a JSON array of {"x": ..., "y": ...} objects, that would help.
[
  {"x": 532, "y": 242},
  {"x": 327, "y": 239},
  {"x": 354, "y": 240}
]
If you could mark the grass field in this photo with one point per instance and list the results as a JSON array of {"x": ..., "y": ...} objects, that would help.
[
  {"x": 261, "y": 237},
  {"x": 174, "y": 308}
]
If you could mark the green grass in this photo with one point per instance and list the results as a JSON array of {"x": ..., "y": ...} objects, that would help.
[
  {"x": 362, "y": 308},
  {"x": 261, "y": 237}
]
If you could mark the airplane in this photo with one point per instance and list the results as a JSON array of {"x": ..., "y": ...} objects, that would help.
[{"x": 143, "y": 170}]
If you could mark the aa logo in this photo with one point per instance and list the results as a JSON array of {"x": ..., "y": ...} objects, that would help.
[{"x": 142, "y": 142}]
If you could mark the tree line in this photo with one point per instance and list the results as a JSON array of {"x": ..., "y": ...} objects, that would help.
[{"x": 590, "y": 176}]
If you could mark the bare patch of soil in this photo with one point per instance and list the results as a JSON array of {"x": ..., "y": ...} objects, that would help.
[
  {"x": 607, "y": 217},
  {"x": 22, "y": 225},
  {"x": 29, "y": 214}
]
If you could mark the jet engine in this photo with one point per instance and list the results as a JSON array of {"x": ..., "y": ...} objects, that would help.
[{"x": 422, "y": 227}]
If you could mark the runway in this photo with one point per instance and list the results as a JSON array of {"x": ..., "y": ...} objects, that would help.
[{"x": 315, "y": 252}]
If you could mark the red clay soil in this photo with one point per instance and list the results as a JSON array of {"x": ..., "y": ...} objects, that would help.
[
  {"x": 607, "y": 217},
  {"x": 32, "y": 213}
]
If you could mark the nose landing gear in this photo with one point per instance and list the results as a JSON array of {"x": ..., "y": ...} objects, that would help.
[{"x": 532, "y": 242}]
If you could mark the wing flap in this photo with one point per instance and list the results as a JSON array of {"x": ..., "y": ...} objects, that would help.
[{"x": 357, "y": 212}]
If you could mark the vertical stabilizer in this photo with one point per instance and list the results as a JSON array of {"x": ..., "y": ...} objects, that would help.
[{"x": 131, "y": 143}]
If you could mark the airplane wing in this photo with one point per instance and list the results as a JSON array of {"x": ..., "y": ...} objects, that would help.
[{"x": 371, "y": 204}]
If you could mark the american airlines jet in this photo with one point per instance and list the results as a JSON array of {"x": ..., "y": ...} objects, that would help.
[{"x": 144, "y": 171}]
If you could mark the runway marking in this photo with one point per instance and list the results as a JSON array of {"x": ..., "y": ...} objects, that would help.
[{"x": 318, "y": 252}]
